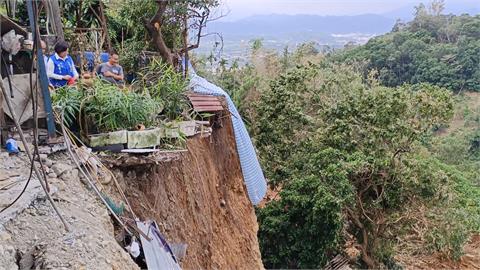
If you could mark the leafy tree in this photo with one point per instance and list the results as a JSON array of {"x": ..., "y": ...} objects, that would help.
[
  {"x": 434, "y": 48},
  {"x": 344, "y": 148}
]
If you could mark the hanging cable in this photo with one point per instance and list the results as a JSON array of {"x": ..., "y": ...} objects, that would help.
[
  {"x": 34, "y": 111},
  {"x": 34, "y": 97},
  {"x": 23, "y": 190},
  {"x": 7, "y": 69},
  {"x": 27, "y": 150},
  {"x": 30, "y": 156}
]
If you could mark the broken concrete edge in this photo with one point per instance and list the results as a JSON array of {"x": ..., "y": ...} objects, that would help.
[
  {"x": 149, "y": 137},
  {"x": 103, "y": 139},
  {"x": 144, "y": 138}
]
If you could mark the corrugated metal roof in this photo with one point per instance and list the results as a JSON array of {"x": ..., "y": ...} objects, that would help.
[
  {"x": 157, "y": 252},
  {"x": 205, "y": 103}
]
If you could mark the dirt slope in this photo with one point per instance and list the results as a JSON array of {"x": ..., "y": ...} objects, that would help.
[{"x": 200, "y": 199}]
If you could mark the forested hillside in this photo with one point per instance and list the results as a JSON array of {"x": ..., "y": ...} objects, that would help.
[
  {"x": 440, "y": 49},
  {"x": 370, "y": 152}
]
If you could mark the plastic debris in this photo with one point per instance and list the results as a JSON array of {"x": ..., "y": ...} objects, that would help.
[
  {"x": 133, "y": 249},
  {"x": 12, "y": 42},
  {"x": 11, "y": 146}
]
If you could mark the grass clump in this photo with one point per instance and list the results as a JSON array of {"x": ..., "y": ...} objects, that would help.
[
  {"x": 167, "y": 86},
  {"x": 113, "y": 109},
  {"x": 107, "y": 107}
]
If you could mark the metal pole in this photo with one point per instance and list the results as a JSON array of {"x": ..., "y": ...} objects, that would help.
[
  {"x": 42, "y": 73},
  {"x": 31, "y": 157}
]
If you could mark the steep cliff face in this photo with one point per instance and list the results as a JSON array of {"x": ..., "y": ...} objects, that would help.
[{"x": 200, "y": 199}]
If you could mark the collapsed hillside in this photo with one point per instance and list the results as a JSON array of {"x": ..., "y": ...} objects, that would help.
[{"x": 199, "y": 199}]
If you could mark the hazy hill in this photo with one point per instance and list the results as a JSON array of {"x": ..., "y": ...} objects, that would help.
[
  {"x": 278, "y": 31},
  {"x": 278, "y": 24}
]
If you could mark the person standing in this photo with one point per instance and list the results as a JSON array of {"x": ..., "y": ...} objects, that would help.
[
  {"x": 111, "y": 70},
  {"x": 45, "y": 53},
  {"x": 60, "y": 68}
]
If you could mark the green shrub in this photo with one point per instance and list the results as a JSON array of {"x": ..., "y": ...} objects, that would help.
[
  {"x": 68, "y": 99},
  {"x": 112, "y": 109},
  {"x": 167, "y": 86}
]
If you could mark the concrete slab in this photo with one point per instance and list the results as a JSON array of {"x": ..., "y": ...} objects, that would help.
[
  {"x": 109, "y": 138},
  {"x": 143, "y": 138}
]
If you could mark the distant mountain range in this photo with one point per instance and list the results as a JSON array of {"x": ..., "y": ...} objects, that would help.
[
  {"x": 279, "y": 31},
  {"x": 280, "y": 24}
]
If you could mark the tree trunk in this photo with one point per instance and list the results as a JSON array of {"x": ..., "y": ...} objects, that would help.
[
  {"x": 154, "y": 28},
  {"x": 366, "y": 258},
  {"x": 104, "y": 25},
  {"x": 57, "y": 19},
  {"x": 185, "y": 45}
]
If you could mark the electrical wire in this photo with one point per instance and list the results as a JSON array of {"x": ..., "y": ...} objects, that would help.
[
  {"x": 34, "y": 108},
  {"x": 34, "y": 97},
  {"x": 8, "y": 76},
  {"x": 21, "y": 192},
  {"x": 29, "y": 154},
  {"x": 68, "y": 138}
]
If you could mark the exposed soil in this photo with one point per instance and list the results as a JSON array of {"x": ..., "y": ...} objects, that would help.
[{"x": 200, "y": 199}]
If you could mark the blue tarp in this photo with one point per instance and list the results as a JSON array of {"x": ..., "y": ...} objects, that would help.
[{"x": 252, "y": 172}]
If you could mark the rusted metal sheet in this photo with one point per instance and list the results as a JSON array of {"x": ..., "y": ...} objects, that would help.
[{"x": 205, "y": 103}]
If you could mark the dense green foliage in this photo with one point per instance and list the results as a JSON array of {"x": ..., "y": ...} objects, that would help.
[
  {"x": 165, "y": 85},
  {"x": 440, "y": 49},
  {"x": 365, "y": 158},
  {"x": 106, "y": 106},
  {"x": 130, "y": 37},
  {"x": 68, "y": 100},
  {"x": 112, "y": 109},
  {"x": 331, "y": 140}
]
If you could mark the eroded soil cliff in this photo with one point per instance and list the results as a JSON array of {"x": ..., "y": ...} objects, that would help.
[{"x": 200, "y": 199}]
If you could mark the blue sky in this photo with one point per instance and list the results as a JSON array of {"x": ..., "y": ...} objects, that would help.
[{"x": 244, "y": 8}]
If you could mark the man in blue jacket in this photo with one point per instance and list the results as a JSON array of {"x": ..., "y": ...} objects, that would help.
[{"x": 60, "y": 68}]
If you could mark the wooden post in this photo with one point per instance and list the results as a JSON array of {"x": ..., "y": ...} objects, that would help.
[
  {"x": 56, "y": 18},
  {"x": 3, "y": 123}
]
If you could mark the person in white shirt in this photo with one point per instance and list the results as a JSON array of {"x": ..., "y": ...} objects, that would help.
[{"x": 60, "y": 68}]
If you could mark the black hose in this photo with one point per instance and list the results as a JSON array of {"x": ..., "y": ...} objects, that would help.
[
  {"x": 23, "y": 190},
  {"x": 8, "y": 77},
  {"x": 35, "y": 103},
  {"x": 35, "y": 130}
]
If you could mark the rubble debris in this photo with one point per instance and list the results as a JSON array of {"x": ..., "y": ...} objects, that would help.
[
  {"x": 14, "y": 171},
  {"x": 34, "y": 236}
]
